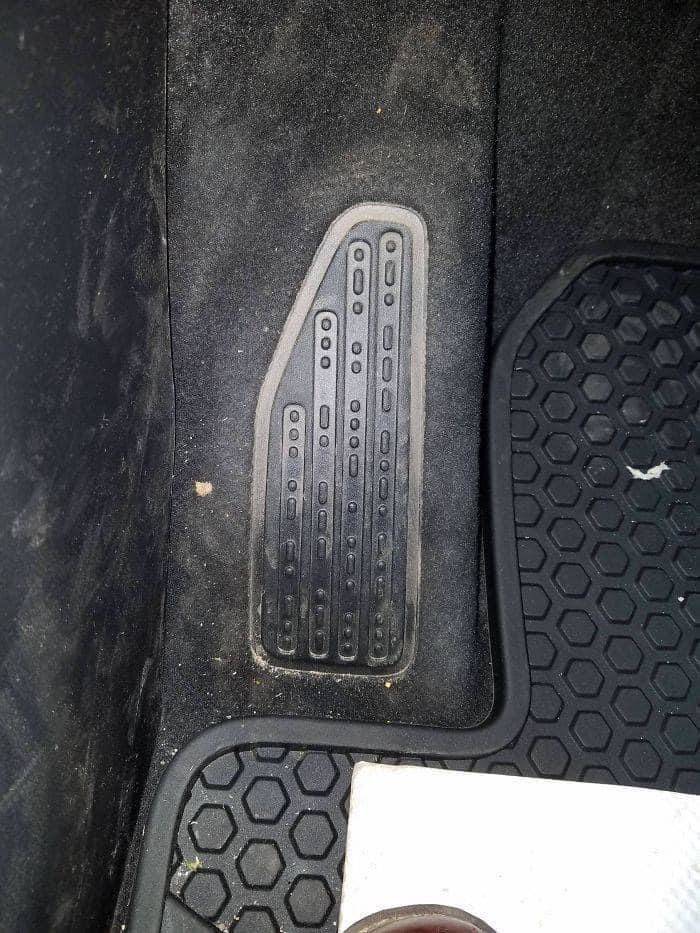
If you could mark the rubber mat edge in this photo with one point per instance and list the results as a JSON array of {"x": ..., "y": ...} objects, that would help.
[{"x": 154, "y": 860}]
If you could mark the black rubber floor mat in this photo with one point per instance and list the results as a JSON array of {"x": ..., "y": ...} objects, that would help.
[
  {"x": 597, "y": 383},
  {"x": 339, "y": 433},
  {"x": 594, "y": 503},
  {"x": 251, "y": 837}
]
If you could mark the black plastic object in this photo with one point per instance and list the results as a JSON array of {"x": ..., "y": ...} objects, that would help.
[
  {"x": 596, "y": 381},
  {"x": 338, "y": 454}
]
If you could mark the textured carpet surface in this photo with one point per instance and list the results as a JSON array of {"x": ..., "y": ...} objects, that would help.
[
  {"x": 86, "y": 428},
  {"x": 597, "y": 134},
  {"x": 282, "y": 116}
]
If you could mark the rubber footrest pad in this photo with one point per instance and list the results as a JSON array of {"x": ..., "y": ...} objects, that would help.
[{"x": 338, "y": 449}]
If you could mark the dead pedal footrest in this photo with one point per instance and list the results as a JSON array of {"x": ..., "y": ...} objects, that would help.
[{"x": 338, "y": 450}]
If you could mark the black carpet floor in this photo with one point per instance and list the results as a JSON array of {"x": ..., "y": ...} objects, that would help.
[
  {"x": 281, "y": 116},
  {"x": 597, "y": 137}
]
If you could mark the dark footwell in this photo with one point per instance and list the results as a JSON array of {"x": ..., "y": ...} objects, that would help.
[{"x": 521, "y": 133}]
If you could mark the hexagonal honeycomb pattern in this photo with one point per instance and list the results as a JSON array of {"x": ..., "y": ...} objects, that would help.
[
  {"x": 607, "y": 379},
  {"x": 609, "y": 563},
  {"x": 265, "y": 853}
]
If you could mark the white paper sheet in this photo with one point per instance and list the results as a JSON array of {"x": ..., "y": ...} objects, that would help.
[{"x": 525, "y": 855}]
